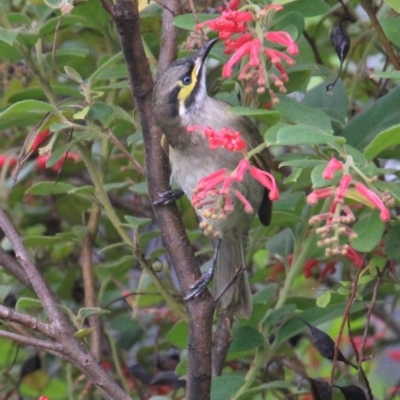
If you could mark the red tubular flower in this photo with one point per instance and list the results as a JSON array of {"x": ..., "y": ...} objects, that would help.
[
  {"x": 341, "y": 191},
  {"x": 245, "y": 49},
  {"x": 283, "y": 38},
  {"x": 276, "y": 7},
  {"x": 267, "y": 180},
  {"x": 237, "y": 16},
  {"x": 247, "y": 206},
  {"x": 329, "y": 268},
  {"x": 241, "y": 169},
  {"x": 394, "y": 355},
  {"x": 233, "y": 44},
  {"x": 276, "y": 56},
  {"x": 41, "y": 161},
  {"x": 254, "y": 50},
  {"x": 38, "y": 140},
  {"x": 333, "y": 165},
  {"x": 8, "y": 160},
  {"x": 375, "y": 200},
  {"x": 318, "y": 194},
  {"x": 212, "y": 181},
  {"x": 308, "y": 267},
  {"x": 355, "y": 257}
]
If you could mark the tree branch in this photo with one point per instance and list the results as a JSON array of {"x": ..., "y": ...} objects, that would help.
[
  {"x": 60, "y": 330},
  {"x": 126, "y": 17},
  {"x": 37, "y": 282},
  {"x": 29, "y": 341},
  {"x": 11, "y": 265}
]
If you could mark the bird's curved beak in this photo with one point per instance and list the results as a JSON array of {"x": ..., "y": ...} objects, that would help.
[{"x": 202, "y": 54}]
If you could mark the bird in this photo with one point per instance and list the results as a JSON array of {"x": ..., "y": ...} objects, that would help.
[{"x": 180, "y": 99}]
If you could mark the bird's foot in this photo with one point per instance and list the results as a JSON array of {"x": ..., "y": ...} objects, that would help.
[
  {"x": 200, "y": 285},
  {"x": 168, "y": 197}
]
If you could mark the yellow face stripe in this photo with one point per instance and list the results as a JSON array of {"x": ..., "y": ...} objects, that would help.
[{"x": 185, "y": 91}]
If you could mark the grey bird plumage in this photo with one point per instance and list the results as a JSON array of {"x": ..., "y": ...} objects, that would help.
[{"x": 180, "y": 99}]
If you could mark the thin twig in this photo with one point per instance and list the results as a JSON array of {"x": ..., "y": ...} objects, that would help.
[
  {"x": 26, "y": 320},
  {"x": 367, "y": 6},
  {"x": 29, "y": 341},
  {"x": 89, "y": 278},
  {"x": 345, "y": 317}
]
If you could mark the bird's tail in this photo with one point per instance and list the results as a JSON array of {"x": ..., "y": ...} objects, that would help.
[{"x": 238, "y": 295}]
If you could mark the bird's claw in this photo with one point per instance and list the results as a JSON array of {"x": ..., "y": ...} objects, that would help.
[
  {"x": 168, "y": 197},
  {"x": 199, "y": 286}
]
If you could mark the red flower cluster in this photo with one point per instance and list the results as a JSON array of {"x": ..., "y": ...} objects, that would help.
[
  {"x": 340, "y": 193},
  {"x": 338, "y": 218},
  {"x": 230, "y": 140},
  {"x": 244, "y": 41},
  {"x": 219, "y": 184}
]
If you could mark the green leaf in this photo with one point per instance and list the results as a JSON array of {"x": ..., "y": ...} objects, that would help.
[
  {"x": 137, "y": 222},
  {"x": 317, "y": 179},
  {"x": 383, "y": 140},
  {"x": 73, "y": 74},
  {"x": 246, "y": 338},
  {"x": 286, "y": 19},
  {"x": 392, "y": 243},
  {"x": 282, "y": 243},
  {"x": 299, "y": 113},
  {"x": 25, "y": 302},
  {"x": 315, "y": 316},
  {"x": 49, "y": 27},
  {"x": 334, "y": 105},
  {"x": 265, "y": 295},
  {"x": 47, "y": 188},
  {"x": 8, "y": 35},
  {"x": 394, "y": 4},
  {"x": 324, "y": 299},
  {"x": 188, "y": 21},
  {"x": 307, "y": 8},
  {"x": 36, "y": 241},
  {"x": 100, "y": 111},
  {"x": 270, "y": 116},
  {"x": 178, "y": 335},
  {"x": 369, "y": 229},
  {"x": 376, "y": 264},
  {"x": 85, "y": 312},
  {"x": 301, "y": 163},
  {"x": 301, "y": 135},
  {"x": 395, "y": 75},
  {"x": 381, "y": 115},
  {"x": 31, "y": 110},
  {"x": 36, "y": 93},
  {"x": 225, "y": 386},
  {"x": 106, "y": 65},
  {"x": 365, "y": 279},
  {"x": 83, "y": 333}
]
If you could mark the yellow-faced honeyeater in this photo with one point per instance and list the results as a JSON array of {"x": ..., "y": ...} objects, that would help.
[{"x": 180, "y": 100}]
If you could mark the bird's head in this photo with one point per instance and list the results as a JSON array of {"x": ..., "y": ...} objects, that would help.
[{"x": 181, "y": 88}]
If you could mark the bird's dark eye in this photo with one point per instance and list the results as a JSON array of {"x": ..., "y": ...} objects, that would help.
[{"x": 187, "y": 80}]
